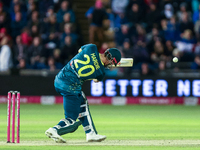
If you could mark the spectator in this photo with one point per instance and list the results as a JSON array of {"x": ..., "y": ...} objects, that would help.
[
  {"x": 88, "y": 14},
  {"x": 52, "y": 65},
  {"x": 195, "y": 16},
  {"x": 152, "y": 17},
  {"x": 37, "y": 54},
  {"x": 3, "y": 33},
  {"x": 17, "y": 8},
  {"x": 44, "y": 5},
  {"x": 140, "y": 53},
  {"x": 162, "y": 68},
  {"x": 140, "y": 35},
  {"x": 5, "y": 55},
  {"x": 32, "y": 7},
  {"x": 163, "y": 24},
  {"x": 121, "y": 34},
  {"x": 139, "y": 2},
  {"x": 127, "y": 52},
  {"x": 96, "y": 25},
  {"x": 169, "y": 49},
  {"x": 17, "y": 2},
  {"x": 197, "y": 28},
  {"x": 65, "y": 9},
  {"x": 17, "y": 25},
  {"x": 50, "y": 12},
  {"x": 34, "y": 31},
  {"x": 3, "y": 23},
  {"x": 35, "y": 21},
  {"x": 120, "y": 19},
  {"x": 186, "y": 48},
  {"x": 196, "y": 64},
  {"x": 145, "y": 70},
  {"x": 29, "y": 3},
  {"x": 168, "y": 11},
  {"x": 52, "y": 26},
  {"x": 69, "y": 32},
  {"x": 185, "y": 23},
  {"x": 155, "y": 34},
  {"x": 197, "y": 48},
  {"x": 135, "y": 15},
  {"x": 158, "y": 53},
  {"x": 23, "y": 64},
  {"x": 4, "y": 18},
  {"x": 20, "y": 50},
  {"x": 57, "y": 56},
  {"x": 128, "y": 21},
  {"x": 183, "y": 9},
  {"x": 6, "y": 4},
  {"x": 51, "y": 43},
  {"x": 195, "y": 5},
  {"x": 66, "y": 19},
  {"x": 171, "y": 31},
  {"x": 187, "y": 41},
  {"x": 119, "y": 6},
  {"x": 149, "y": 2},
  {"x": 26, "y": 37},
  {"x": 68, "y": 50},
  {"x": 109, "y": 23}
]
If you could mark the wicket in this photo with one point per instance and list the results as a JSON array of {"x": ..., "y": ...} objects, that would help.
[{"x": 11, "y": 97}]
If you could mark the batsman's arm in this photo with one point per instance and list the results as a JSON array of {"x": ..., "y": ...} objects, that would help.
[
  {"x": 95, "y": 80},
  {"x": 79, "y": 50},
  {"x": 99, "y": 78}
]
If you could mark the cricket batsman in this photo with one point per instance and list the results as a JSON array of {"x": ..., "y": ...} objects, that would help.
[{"x": 88, "y": 64}]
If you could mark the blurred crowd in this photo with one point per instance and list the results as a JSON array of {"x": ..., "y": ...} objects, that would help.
[
  {"x": 44, "y": 34},
  {"x": 153, "y": 32},
  {"x": 37, "y": 34}
]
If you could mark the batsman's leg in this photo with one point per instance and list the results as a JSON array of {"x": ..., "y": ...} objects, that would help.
[
  {"x": 52, "y": 133},
  {"x": 71, "y": 106},
  {"x": 87, "y": 122},
  {"x": 63, "y": 127}
]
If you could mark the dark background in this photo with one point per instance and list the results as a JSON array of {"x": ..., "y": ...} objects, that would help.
[{"x": 38, "y": 85}]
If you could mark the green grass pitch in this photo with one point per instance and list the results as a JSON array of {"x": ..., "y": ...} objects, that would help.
[{"x": 126, "y": 127}]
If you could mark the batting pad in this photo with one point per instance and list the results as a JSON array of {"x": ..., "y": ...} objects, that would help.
[
  {"x": 85, "y": 117},
  {"x": 67, "y": 126}
]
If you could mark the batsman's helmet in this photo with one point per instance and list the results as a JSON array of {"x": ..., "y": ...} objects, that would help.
[{"x": 113, "y": 54}]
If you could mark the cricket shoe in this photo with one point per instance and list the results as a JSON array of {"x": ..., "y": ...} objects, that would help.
[
  {"x": 52, "y": 133},
  {"x": 93, "y": 137}
]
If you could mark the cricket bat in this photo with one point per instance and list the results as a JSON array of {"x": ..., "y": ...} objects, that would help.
[{"x": 125, "y": 62}]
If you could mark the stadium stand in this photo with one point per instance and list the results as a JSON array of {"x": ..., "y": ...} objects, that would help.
[{"x": 46, "y": 34}]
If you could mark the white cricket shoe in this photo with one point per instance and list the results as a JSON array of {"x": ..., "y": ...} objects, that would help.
[
  {"x": 93, "y": 137},
  {"x": 52, "y": 133}
]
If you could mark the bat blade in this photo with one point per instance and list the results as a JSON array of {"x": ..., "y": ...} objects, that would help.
[{"x": 125, "y": 62}]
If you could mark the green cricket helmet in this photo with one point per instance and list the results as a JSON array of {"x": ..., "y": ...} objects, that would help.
[{"x": 114, "y": 55}]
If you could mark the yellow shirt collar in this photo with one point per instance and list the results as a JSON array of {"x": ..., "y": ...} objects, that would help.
[{"x": 100, "y": 59}]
